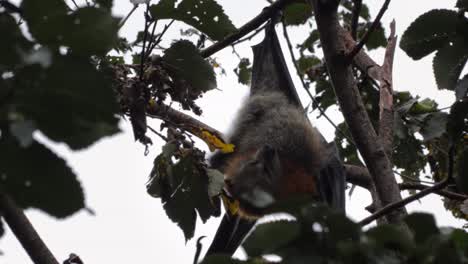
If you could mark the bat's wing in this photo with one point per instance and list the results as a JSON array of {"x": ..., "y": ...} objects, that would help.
[
  {"x": 332, "y": 178},
  {"x": 230, "y": 234},
  {"x": 269, "y": 70}
]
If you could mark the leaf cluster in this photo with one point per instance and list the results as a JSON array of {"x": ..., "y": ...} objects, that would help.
[
  {"x": 319, "y": 235},
  {"x": 51, "y": 82}
]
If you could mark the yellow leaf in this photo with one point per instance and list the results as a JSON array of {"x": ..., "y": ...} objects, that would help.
[
  {"x": 152, "y": 102},
  {"x": 231, "y": 205},
  {"x": 215, "y": 142}
]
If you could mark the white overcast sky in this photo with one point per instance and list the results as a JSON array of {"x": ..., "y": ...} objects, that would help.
[{"x": 129, "y": 225}]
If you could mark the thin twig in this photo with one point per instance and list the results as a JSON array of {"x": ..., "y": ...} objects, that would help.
[
  {"x": 305, "y": 86},
  {"x": 74, "y": 2},
  {"x": 148, "y": 50},
  {"x": 126, "y": 17},
  {"x": 249, "y": 37},
  {"x": 157, "y": 133},
  {"x": 250, "y": 26},
  {"x": 372, "y": 28},
  {"x": 11, "y": 7},
  {"x": 158, "y": 40},
  {"x": 355, "y": 20},
  {"x": 145, "y": 36},
  {"x": 411, "y": 178},
  {"x": 444, "y": 193},
  {"x": 437, "y": 187},
  {"x": 389, "y": 208}
]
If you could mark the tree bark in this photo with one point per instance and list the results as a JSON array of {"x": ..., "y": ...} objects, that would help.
[
  {"x": 344, "y": 84},
  {"x": 25, "y": 232}
]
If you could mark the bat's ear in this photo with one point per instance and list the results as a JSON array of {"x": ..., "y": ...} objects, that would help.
[{"x": 269, "y": 157}]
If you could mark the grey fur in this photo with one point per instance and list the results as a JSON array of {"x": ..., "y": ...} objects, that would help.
[{"x": 269, "y": 119}]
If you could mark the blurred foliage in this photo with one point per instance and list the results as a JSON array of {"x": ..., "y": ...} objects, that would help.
[
  {"x": 51, "y": 83},
  {"x": 319, "y": 235}
]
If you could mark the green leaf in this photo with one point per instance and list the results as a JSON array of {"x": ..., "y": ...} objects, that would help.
[
  {"x": 456, "y": 124},
  {"x": 206, "y": 16},
  {"x": 93, "y": 31},
  {"x": 461, "y": 90},
  {"x": 69, "y": 102},
  {"x": 400, "y": 129},
  {"x": 406, "y": 106},
  {"x": 462, "y": 171},
  {"x": 48, "y": 21},
  {"x": 184, "y": 61},
  {"x": 408, "y": 155},
  {"x": 326, "y": 96},
  {"x": 297, "y": 13},
  {"x": 429, "y": 32},
  {"x": 215, "y": 182},
  {"x": 244, "y": 71},
  {"x": 13, "y": 43},
  {"x": 377, "y": 38},
  {"x": 434, "y": 126},
  {"x": 268, "y": 237},
  {"x": 391, "y": 237},
  {"x": 23, "y": 132},
  {"x": 310, "y": 41},
  {"x": 364, "y": 9},
  {"x": 449, "y": 62},
  {"x": 158, "y": 180},
  {"x": 423, "y": 226},
  {"x": 460, "y": 238},
  {"x": 36, "y": 177},
  {"x": 107, "y": 4},
  {"x": 306, "y": 62},
  {"x": 462, "y": 4},
  {"x": 183, "y": 190},
  {"x": 423, "y": 107},
  {"x": 182, "y": 213}
]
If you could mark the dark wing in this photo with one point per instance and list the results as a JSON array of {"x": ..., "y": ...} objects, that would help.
[
  {"x": 269, "y": 70},
  {"x": 332, "y": 178},
  {"x": 230, "y": 234}
]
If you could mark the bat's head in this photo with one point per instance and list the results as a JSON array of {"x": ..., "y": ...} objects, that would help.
[{"x": 256, "y": 181}]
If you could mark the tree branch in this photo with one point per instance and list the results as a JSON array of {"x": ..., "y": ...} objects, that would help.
[
  {"x": 355, "y": 20},
  {"x": 394, "y": 206},
  {"x": 266, "y": 14},
  {"x": 372, "y": 28},
  {"x": 399, "y": 204},
  {"x": 354, "y": 111},
  {"x": 185, "y": 121},
  {"x": 386, "y": 94},
  {"x": 360, "y": 176},
  {"x": 24, "y": 231},
  {"x": 444, "y": 193}
]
